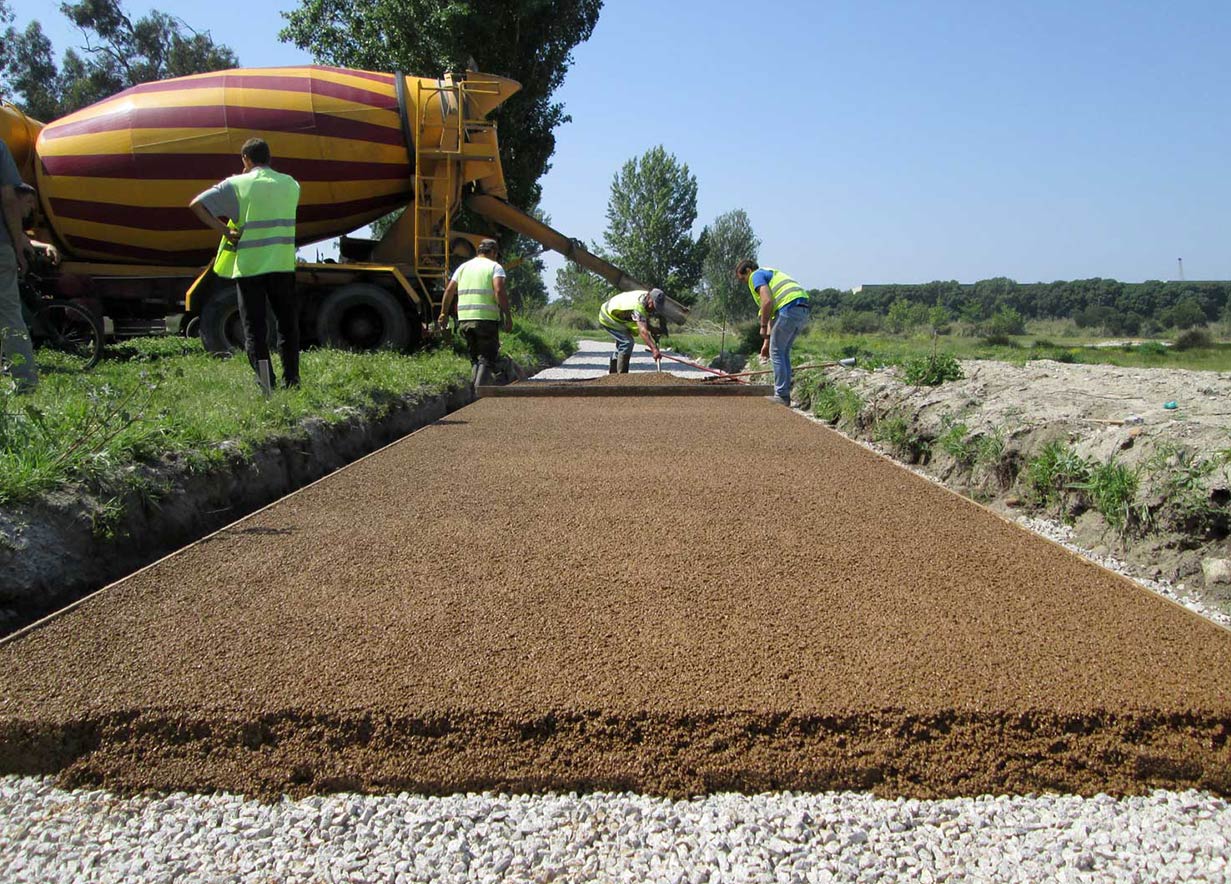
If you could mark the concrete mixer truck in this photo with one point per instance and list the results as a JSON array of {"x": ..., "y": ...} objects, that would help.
[{"x": 115, "y": 179}]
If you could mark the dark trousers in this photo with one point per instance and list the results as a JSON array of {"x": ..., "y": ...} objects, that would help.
[
  {"x": 278, "y": 290},
  {"x": 482, "y": 340}
]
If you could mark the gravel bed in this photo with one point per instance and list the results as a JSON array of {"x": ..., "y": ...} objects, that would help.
[{"x": 51, "y": 835}]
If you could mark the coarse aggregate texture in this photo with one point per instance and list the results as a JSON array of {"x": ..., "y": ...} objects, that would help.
[
  {"x": 516, "y": 598},
  {"x": 95, "y": 837}
]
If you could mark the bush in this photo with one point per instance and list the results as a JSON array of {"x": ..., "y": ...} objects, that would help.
[
  {"x": 894, "y": 431},
  {"x": 955, "y": 441},
  {"x": 1152, "y": 348},
  {"x": 995, "y": 340},
  {"x": 933, "y": 370},
  {"x": 1193, "y": 339}
]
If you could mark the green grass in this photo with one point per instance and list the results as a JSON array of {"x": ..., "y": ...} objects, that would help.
[
  {"x": 819, "y": 343},
  {"x": 162, "y": 397}
]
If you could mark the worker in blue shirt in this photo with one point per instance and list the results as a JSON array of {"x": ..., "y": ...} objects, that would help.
[{"x": 784, "y": 308}]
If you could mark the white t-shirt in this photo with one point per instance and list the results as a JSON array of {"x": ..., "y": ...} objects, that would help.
[{"x": 497, "y": 271}]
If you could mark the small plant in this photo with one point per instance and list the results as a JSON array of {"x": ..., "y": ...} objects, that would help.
[
  {"x": 1151, "y": 348},
  {"x": 837, "y": 403},
  {"x": 1112, "y": 489},
  {"x": 1178, "y": 476},
  {"x": 955, "y": 441},
  {"x": 989, "y": 448},
  {"x": 933, "y": 370},
  {"x": 894, "y": 431},
  {"x": 1055, "y": 471}
]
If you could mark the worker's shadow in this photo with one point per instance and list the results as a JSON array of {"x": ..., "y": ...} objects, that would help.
[{"x": 445, "y": 421}]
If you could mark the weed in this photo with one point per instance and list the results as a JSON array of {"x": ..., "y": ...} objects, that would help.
[
  {"x": 989, "y": 448},
  {"x": 1177, "y": 476},
  {"x": 933, "y": 370},
  {"x": 955, "y": 441},
  {"x": 894, "y": 431},
  {"x": 1112, "y": 489},
  {"x": 1055, "y": 471}
]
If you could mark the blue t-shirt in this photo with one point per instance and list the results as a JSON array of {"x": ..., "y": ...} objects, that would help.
[
  {"x": 761, "y": 277},
  {"x": 9, "y": 177}
]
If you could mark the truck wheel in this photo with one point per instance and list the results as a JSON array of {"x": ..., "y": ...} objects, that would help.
[
  {"x": 362, "y": 316},
  {"x": 221, "y": 329}
]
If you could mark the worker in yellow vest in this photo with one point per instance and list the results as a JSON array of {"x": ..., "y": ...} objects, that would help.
[
  {"x": 784, "y": 308},
  {"x": 258, "y": 252},
  {"x": 629, "y": 313},
  {"x": 482, "y": 309}
]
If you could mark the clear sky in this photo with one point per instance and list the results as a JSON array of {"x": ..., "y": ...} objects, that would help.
[{"x": 876, "y": 141}]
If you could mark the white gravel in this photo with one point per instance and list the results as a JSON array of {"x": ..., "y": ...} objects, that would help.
[
  {"x": 50, "y": 835},
  {"x": 591, "y": 361}
]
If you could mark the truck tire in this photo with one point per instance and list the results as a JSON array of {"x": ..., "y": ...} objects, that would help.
[
  {"x": 362, "y": 316},
  {"x": 220, "y": 327}
]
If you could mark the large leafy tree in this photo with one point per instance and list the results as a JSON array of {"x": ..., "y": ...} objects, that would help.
[
  {"x": 650, "y": 215},
  {"x": 530, "y": 41},
  {"x": 729, "y": 240},
  {"x": 118, "y": 52}
]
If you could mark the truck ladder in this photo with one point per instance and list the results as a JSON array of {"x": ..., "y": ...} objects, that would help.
[{"x": 438, "y": 168}]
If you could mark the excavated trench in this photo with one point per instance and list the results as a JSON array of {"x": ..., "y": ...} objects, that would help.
[{"x": 672, "y": 595}]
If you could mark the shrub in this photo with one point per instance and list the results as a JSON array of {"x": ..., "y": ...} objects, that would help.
[
  {"x": 1193, "y": 339},
  {"x": 933, "y": 370},
  {"x": 1178, "y": 476},
  {"x": 998, "y": 340}
]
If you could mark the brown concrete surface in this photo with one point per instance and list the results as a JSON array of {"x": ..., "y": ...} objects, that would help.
[{"x": 668, "y": 595}]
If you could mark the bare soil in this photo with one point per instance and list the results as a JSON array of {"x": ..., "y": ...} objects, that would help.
[{"x": 522, "y": 597}]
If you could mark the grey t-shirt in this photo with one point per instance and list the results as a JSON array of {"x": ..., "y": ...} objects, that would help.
[
  {"x": 221, "y": 200},
  {"x": 9, "y": 177}
]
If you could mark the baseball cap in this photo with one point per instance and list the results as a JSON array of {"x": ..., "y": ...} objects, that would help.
[{"x": 655, "y": 298}]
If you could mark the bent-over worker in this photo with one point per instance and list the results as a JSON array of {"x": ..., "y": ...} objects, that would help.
[
  {"x": 784, "y": 308},
  {"x": 482, "y": 309},
  {"x": 626, "y": 314},
  {"x": 257, "y": 251}
]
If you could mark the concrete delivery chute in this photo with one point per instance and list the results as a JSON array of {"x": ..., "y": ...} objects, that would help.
[{"x": 115, "y": 180}]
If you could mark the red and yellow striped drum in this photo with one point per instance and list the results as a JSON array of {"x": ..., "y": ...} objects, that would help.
[{"x": 115, "y": 178}]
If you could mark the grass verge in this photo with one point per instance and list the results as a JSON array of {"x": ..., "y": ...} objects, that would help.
[{"x": 157, "y": 398}]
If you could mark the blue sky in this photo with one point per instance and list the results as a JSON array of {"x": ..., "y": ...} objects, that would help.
[{"x": 892, "y": 141}]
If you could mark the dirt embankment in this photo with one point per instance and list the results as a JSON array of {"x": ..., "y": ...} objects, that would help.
[
  {"x": 523, "y": 596},
  {"x": 1178, "y": 527}
]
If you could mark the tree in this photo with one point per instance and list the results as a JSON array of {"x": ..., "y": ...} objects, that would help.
[
  {"x": 729, "y": 240},
  {"x": 651, "y": 212},
  {"x": 580, "y": 289},
  {"x": 530, "y": 41},
  {"x": 118, "y": 53}
]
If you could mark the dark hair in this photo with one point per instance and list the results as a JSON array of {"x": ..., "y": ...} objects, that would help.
[
  {"x": 489, "y": 247},
  {"x": 256, "y": 150},
  {"x": 746, "y": 267}
]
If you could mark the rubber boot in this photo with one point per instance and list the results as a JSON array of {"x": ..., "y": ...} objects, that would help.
[
  {"x": 482, "y": 374},
  {"x": 622, "y": 363},
  {"x": 611, "y": 368}
]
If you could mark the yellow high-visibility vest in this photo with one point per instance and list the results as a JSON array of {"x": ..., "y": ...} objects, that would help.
[
  {"x": 476, "y": 290},
  {"x": 267, "y": 204},
  {"x": 782, "y": 289},
  {"x": 618, "y": 312}
]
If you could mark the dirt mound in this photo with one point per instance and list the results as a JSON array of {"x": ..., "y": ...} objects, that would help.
[{"x": 518, "y": 597}]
